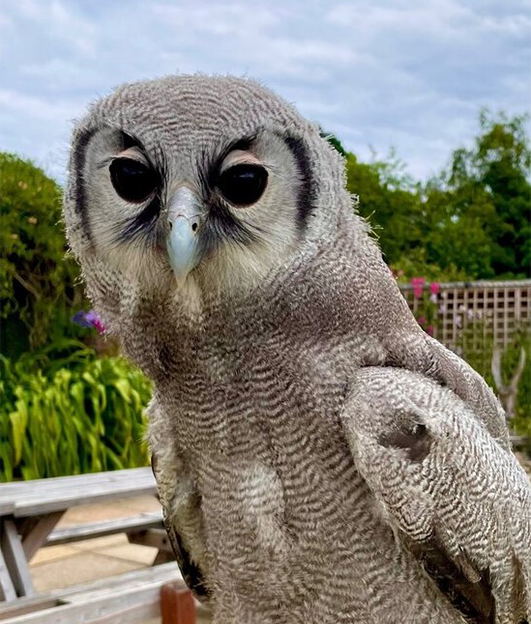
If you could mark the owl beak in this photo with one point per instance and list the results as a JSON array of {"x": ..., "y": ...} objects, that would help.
[{"x": 185, "y": 222}]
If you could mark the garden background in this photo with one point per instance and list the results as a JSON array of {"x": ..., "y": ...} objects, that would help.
[{"x": 71, "y": 404}]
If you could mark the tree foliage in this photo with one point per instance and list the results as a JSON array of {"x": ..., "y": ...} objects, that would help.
[
  {"x": 471, "y": 222},
  {"x": 39, "y": 283}
]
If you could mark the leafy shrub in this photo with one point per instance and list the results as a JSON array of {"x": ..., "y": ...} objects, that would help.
[
  {"x": 70, "y": 415},
  {"x": 481, "y": 358},
  {"x": 39, "y": 284}
]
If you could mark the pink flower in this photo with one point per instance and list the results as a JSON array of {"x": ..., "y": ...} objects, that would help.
[
  {"x": 435, "y": 288},
  {"x": 430, "y": 330},
  {"x": 98, "y": 325},
  {"x": 418, "y": 286},
  {"x": 421, "y": 320}
]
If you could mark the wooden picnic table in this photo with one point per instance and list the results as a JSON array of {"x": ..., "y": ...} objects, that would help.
[{"x": 30, "y": 510}]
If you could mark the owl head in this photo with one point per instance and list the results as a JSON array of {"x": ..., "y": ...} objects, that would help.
[{"x": 198, "y": 186}]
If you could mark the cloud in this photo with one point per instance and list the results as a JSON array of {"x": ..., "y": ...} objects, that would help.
[{"x": 400, "y": 73}]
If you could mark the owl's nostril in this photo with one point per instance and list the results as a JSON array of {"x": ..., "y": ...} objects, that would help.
[
  {"x": 170, "y": 224},
  {"x": 194, "y": 226}
]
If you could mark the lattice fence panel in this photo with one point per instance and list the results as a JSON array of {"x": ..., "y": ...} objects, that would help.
[{"x": 496, "y": 308}]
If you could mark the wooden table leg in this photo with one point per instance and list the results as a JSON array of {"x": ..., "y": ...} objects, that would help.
[
  {"x": 15, "y": 558},
  {"x": 177, "y": 604},
  {"x": 41, "y": 527},
  {"x": 7, "y": 590}
]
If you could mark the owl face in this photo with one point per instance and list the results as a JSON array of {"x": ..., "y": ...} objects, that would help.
[{"x": 192, "y": 180}]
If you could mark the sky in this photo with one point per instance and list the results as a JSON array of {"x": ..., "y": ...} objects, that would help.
[{"x": 405, "y": 74}]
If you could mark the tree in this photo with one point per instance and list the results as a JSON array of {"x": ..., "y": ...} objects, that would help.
[
  {"x": 40, "y": 286},
  {"x": 486, "y": 193},
  {"x": 470, "y": 222},
  {"x": 390, "y": 202}
]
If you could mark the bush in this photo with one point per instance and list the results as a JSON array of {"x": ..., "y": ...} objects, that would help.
[
  {"x": 39, "y": 285},
  {"x": 481, "y": 359},
  {"x": 76, "y": 414}
]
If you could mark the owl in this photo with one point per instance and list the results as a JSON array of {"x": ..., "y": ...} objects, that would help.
[{"x": 319, "y": 458}]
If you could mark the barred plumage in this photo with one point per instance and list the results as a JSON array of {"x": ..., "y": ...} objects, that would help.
[{"x": 319, "y": 458}]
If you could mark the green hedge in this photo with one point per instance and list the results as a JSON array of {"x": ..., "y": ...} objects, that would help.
[
  {"x": 40, "y": 286},
  {"x": 73, "y": 415}
]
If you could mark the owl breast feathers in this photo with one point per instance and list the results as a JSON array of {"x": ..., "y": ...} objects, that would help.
[{"x": 319, "y": 458}]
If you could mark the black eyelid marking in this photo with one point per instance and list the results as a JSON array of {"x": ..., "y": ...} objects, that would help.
[
  {"x": 105, "y": 162},
  {"x": 209, "y": 167},
  {"x": 129, "y": 140}
]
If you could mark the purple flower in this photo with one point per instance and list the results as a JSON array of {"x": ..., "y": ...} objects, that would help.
[
  {"x": 90, "y": 317},
  {"x": 89, "y": 320},
  {"x": 80, "y": 319},
  {"x": 421, "y": 320}
]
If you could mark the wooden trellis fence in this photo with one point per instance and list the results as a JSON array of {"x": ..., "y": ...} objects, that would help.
[{"x": 494, "y": 308}]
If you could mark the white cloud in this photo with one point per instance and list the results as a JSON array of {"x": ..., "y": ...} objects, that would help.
[{"x": 400, "y": 72}]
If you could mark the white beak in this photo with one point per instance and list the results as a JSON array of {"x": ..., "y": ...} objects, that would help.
[{"x": 185, "y": 222}]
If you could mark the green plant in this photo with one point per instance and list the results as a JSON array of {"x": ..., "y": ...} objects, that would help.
[
  {"x": 39, "y": 285},
  {"x": 76, "y": 414},
  {"x": 415, "y": 262},
  {"x": 476, "y": 346}
]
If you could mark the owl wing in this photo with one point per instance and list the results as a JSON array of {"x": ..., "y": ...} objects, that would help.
[
  {"x": 191, "y": 572},
  {"x": 452, "y": 495}
]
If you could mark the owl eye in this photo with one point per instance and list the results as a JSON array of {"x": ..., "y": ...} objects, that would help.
[
  {"x": 132, "y": 180},
  {"x": 243, "y": 184}
]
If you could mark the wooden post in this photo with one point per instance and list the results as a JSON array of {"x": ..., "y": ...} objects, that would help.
[{"x": 177, "y": 604}]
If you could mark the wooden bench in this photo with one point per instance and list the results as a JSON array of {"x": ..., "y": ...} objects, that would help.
[
  {"x": 30, "y": 510},
  {"x": 29, "y": 513}
]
